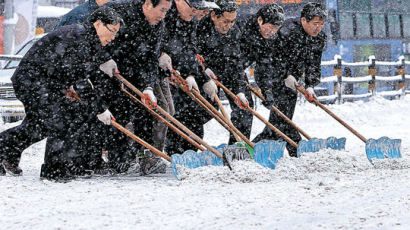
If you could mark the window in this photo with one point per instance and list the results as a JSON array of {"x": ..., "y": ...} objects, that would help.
[
  {"x": 363, "y": 26},
  {"x": 22, "y": 51},
  {"x": 346, "y": 25},
  {"x": 406, "y": 25},
  {"x": 379, "y": 26},
  {"x": 394, "y": 26},
  {"x": 354, "y": 5}
]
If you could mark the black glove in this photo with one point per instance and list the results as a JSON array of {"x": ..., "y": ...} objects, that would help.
[{"x": 269, "y": 100}]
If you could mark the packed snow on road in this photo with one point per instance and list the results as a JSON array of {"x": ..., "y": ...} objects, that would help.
[{"x": 324, "y": 190}]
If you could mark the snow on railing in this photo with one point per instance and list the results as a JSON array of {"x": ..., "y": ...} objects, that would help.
[{"x": 337, "y": 79}]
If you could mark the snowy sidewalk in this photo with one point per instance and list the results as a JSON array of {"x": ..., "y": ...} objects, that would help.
[{"x": 324, "y": 190}]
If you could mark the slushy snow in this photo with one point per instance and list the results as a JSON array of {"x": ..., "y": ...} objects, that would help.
[{"x": 324, "y": 190}]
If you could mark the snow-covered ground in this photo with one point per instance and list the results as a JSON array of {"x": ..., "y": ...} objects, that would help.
[{"x": 323, "y": 190}]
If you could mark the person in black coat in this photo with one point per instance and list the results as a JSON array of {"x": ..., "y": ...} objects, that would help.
[
  {"x": 136, "y": 52},
  {"x": 299, "y": 45},
  {"x": 61, "y": 86},
  {"x": 219, "y": 44},
  {"x": 80, "y": 13},
  {"x": 180, "y": 44}
]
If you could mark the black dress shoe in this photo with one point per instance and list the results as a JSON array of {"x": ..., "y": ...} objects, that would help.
[{"x": 12, "y": 169}]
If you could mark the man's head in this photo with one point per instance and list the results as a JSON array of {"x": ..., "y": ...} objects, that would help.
[
  {"x": 106, "y": 23},
  {"x": 270, "y": 19},
  {"x": 156, "y": 10},
  {"x": 224, "y": 17},
  {"x": 188, "y": 9},
  {"x": 101, "y": 2},
  {"x": 313, "y": 18}
]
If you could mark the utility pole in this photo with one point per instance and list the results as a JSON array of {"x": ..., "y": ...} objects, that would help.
[{"x": 10, "y": 21}]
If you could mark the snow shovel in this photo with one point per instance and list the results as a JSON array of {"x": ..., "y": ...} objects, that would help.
[
  {"x": 268, "y": 157},
  {"x": 201, "y": 60},
  {"x": 381, "y": 148},
  {"x": 313, "y": 144},
  {"x": 190, "y": 159},
  {"x": 265, "y": 145},
  {"x": 187, "y": 159},
  {"x": 272, "y": 149},
  {"x": 196, "y": 96}
]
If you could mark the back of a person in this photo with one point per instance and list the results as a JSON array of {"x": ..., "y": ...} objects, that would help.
[
  {"x": 78, "y": 14},
  {"x": 45, "y": 52}
]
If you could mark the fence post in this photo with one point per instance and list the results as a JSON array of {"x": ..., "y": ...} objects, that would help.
[
  {"x": 337, "y": 71},
  {"x": 402, "y": 72},
  {"x": 372, "y": 72}
]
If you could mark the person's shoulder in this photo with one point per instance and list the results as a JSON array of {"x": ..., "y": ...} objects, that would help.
[
  {"x": 235, "y": 32},
  {"x": 123, "y": 4},
  {"x": 289, "y": 27},
  {"x": 245, "y": 25},
  {"x": 80, "y": 9},
  {"x": 68, "y": 32},
  {"x": 75, "y": 15},
  {"x": 205, "y": 23}
]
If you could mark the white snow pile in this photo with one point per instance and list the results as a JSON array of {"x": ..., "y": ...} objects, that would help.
[
  {"x": 324, "y": 190},
  {"x": 310, "y": 164},
  {"x": 245, "y": 171}
]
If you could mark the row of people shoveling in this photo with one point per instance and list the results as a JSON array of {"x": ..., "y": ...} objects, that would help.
[{"x": 68, "y": 86}]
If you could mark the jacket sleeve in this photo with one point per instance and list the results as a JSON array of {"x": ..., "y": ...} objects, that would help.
[
  {"x": 64, "y": 21},
  {"x": 92, "y": 89},
  {"x": 150, "y": 71},
  {"x": 138, "y": 59},
  {"x": 188, "y": 61},
  {"x": 313, "y": 68},
  {"x": 288, "y": 55},
  {"x": 265, "y": 74}
]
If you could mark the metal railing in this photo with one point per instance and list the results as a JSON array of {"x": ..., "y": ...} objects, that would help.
[{"x": 371, "y": 78}]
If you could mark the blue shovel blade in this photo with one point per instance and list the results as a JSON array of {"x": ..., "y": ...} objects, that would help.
[
  {"x": 383, "y": 147},
  {"x": 268, "y": 152},
  {"x": 336, "y": 143},
  {"x": 316, "y": 144},
  {"x": 192, "y": 159}
]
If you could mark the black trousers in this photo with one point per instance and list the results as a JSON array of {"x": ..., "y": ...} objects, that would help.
[
  {"x": 120, "y": 147},
  {"x": 47, "y": 116},
  {"x": 241, "y": 119},
  {"x": 189, "y": 113},
  {"x": 285, "y": 100}
]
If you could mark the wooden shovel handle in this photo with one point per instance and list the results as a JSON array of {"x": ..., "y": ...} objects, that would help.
[
  {"x": 171, "y": 118},
  {"x": 302, "y": 90},
  {"x": 276, "y": 110},
  {"x": 140, "y": 141},
  {"x": 164, "y": 120},
  {"x": 237, "y": 137},
  {"x": 290, "y": 141},
  {"x": 219, "y": 117},
  {"x": 226, "y": 115}
]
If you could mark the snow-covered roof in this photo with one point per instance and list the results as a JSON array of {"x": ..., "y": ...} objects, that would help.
[{"x": 51, "y": 11}]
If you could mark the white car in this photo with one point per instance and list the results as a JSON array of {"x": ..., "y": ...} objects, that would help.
[{"x": 11, "y": 109}]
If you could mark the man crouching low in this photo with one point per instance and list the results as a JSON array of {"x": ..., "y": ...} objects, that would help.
[{"x": 60, "y": 84}]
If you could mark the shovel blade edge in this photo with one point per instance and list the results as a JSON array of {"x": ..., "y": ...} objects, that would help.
[
  {"x": 191, "y": 159},
  {"x": 382, "y": 148},
  {"x": 316, "y": 144},
  {"x": 268, "y": 152}
]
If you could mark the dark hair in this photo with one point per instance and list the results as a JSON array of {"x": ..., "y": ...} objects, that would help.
[
  {"x": 311, "y": 10},
  {"x": 107, "y": 15},
  {"x": 225, "y": 6},
  {"x": 272, "y": 14},
  {"x": 156, "y": 2}
]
